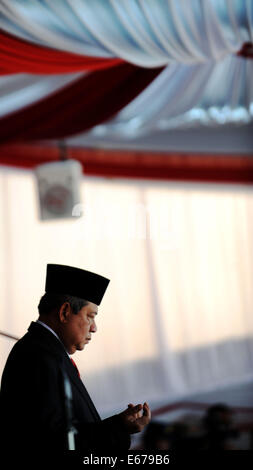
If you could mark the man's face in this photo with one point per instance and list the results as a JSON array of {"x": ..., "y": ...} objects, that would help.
[{"x": 76, "y": 332}]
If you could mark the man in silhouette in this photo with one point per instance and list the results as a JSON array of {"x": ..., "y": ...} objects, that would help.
[{"x": 33, "y": 397}]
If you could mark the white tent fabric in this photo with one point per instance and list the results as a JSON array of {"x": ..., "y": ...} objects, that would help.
[
  {"x": 149, "y": 33},
  {"x": 210, "y": 94},
  {"x": 177, "y": 317}
]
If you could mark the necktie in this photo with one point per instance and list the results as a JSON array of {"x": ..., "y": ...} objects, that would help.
[{"x": 74, "y": 364}]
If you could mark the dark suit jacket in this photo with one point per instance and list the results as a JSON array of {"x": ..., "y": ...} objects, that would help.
[{"x": 32, "y": 411}]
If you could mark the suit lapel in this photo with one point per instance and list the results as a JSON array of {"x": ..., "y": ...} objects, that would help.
[
  {"x": 54, "y": 345},
  {"x": 77, "y": 382}
]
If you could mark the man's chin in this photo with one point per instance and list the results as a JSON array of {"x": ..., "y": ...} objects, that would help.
[
  {"x": 81, "y": 346},
  {"x": 78, "y": 347}
]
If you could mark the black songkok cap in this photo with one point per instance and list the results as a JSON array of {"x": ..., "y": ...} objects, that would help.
[{"x": 76, "y": 282}]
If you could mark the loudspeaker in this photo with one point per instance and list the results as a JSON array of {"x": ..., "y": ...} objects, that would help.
[{"x": 58, "y": 186}]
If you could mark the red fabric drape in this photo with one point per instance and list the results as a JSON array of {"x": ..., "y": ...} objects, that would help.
[
  {"x": 89, "y": 101},
  {"x": 246, "y": 50},
  {"x": 216, "y": 168},
  {"x": 17, "y": 55}
]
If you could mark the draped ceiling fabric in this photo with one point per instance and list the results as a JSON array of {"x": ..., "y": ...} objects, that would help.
[
  {"x": 144, "y": 32},
  {"x": 18, "y": 55},
  {"x": 89, "y": 100},
  {"x": 21, "y": 90},
  {"x": 204, "y": 82}
]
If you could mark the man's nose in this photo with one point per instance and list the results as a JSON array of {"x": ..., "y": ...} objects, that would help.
[{"x": 93, "y": 327}]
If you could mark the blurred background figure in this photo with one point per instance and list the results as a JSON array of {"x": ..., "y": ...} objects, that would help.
[
  {"x": 219, "y": 428},
  {"x": 158, "y": 436}
]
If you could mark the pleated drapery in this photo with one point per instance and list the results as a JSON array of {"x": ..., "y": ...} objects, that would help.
[
  {"x": 204, "y": 47},
  {"x": 17, "y": 56},
  {"x": 90, "y": 100},
  {"x": 148, "y": 33}
]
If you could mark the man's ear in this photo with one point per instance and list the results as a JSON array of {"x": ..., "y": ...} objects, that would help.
[{"x": 64, "y": 312}]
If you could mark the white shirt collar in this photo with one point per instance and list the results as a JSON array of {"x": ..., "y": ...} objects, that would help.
[
  {"x": 52, "y": 331},
  {"x": 48, "y": 328}
]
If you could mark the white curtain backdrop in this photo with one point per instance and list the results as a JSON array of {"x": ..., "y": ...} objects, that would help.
[{"x": 177, "y": 316}]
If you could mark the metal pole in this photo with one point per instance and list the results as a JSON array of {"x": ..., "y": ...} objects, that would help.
[{"x": 71, "y": 430}]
